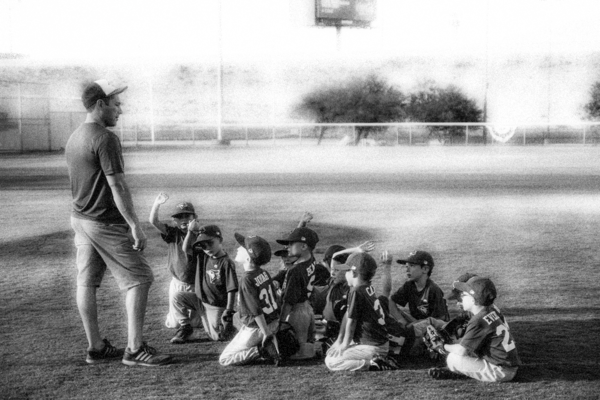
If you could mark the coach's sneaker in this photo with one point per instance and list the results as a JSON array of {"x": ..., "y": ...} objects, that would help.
[
  {"x": 444, "y": 373},
  {"x": 108, "y": 352},
  {"x": 183, "y": 334},
  {"x": 146, "y": 356},
  {"x": 383, "y": 364}
]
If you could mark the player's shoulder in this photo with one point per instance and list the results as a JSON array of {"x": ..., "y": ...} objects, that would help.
[{"x": 434, "y": 287}]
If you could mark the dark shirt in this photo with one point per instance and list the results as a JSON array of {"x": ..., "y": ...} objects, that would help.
[
  {"x": 215, "y": 277},
  {"x": 180, "y": 264},
  {"x": 364, "y": 308},
  {"x": 298, "y": 283},
  {"x": 428, "y": 302},
  {"x": 257, "y": 297},
  {"x": 92, "y": 153}
]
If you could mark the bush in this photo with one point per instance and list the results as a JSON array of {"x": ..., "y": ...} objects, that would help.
[{"x": 592, "y": 109}]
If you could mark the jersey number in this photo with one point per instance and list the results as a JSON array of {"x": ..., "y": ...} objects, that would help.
[
  {"x": 379, "y": 310},
  {"x": 266, "y": 295},
  {"x": 507, "y": 343}
]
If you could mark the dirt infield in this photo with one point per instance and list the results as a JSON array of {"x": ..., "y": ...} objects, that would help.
[{"x": 526, "y": 217}]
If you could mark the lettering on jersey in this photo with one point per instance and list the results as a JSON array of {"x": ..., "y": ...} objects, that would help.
[
  {"x": 260, "y": 279},
  {"x": 370, "y": 290},
  {"x": 491, "y": 317},
  {"x": 311, "y": 269}
]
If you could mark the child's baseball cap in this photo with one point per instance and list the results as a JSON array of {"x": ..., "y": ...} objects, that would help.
[
  {"x": 455, "y": 293},
  {"x": 99, "y": 90},
  {"x": 182, "y": 208},
  {"x": 281, "y": 253},
  {"x": 418, "y": 257},
  {"x": 483, "y": 290},
  {"x": 257, "y": 247},
  {"x": 331, "y": 250},
  {"x": 303, "y": 235},
  {"x": 208, "y": 232},
  {"x": 363, "y": 264}
]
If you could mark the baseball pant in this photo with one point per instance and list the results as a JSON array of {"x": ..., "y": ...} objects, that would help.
[
  {"x": 184, "y": 305},
  {"x": 243, "y": 348},
  {"x": 211, "y": 320},
  {"x": 357, "y": 357},
  {"x": 480, "y": 369},
  {"x": 302, "y": 319}
]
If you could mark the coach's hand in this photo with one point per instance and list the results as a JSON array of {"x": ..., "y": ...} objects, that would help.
[{"x": 139, "y": 237}]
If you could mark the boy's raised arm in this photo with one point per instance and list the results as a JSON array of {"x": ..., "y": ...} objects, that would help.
[{"x": 160, "y": 199}]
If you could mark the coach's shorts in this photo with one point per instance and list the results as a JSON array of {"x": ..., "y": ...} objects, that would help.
[{"x": 102, "y": 245}]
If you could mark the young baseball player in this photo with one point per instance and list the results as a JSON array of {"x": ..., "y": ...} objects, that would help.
[
  {"x": 216, "y": 281},
  {"x": 183, "y": 302},
  {"x": 362, "y": 343},
  {"x": 424, "y": 298},
  {"x": 258, "y": 309},
  {"x": 297, "y": 289},
  {"x": 487, "y": 351}
]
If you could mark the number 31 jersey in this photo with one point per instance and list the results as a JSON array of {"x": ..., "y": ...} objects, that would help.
[
  {"x": 257, "y": 297},
  {"x": 488, "y": 336}
]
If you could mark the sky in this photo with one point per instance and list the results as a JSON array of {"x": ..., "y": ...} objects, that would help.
[{"x": 80, "y": 30}]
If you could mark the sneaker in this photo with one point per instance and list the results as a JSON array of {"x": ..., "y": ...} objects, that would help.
[
  {"x": 183, "y": 334},
  {"x": 109, "y": 352},
  {"x": 146, "y": 356},
  {"x": 444, "y": 373},
  {"x": 383, "y": 364}
]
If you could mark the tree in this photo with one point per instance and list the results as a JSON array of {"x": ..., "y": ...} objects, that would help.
[
  {"x": 592, "y": 109},
  {"x": 366, "y": 100},
  {"x": 435, "y": 104}
]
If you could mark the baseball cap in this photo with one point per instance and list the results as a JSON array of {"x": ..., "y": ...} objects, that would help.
[
  {"x": 482, "y": 289},
  {"x": 258, "y": 248},
  {"x": 208, "y": 232},
  {"x": 455, "y": 293},
  {"x": 98, "y": 90},
  {"x": 362, "y": 263},
  {"x": 281, "y": 253},
  {"x": 183, "y": 208},
  {"x": 331, "y": 250},
  {"x": 303, "y": 235},
  {"x": 418, "y": 257}
]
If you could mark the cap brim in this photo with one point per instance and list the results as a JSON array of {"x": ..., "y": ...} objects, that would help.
[
  {"x": 281, "y": 253},
  {"x": 117, "y": 91},
  {"x": 343, "y": 267},
  {"x": 402, "y": 261},
  {"x": 462, "y": 286},
  {"x": 453, "y": 295},
  {"x": 240, "y": 239},
  {"x": 283, "y": 241},
  {"x": 203, "y": 237}
]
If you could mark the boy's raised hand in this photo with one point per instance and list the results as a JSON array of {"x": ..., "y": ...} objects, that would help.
[
  {"x": 367, "y": 246},
  {"x": 194, "y": 226},
  {"x": 306, "y": 217},
  {"x": 385, "y": 257},
  {"x": 161, "y": 198}
]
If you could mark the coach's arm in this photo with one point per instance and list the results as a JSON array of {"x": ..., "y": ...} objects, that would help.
[{"x": 124, "y": 202}]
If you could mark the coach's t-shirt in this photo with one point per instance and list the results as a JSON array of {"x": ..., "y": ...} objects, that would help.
[
  {"x": 488, "y": 336},
  {"x": 257, "y": 297},
  {"x": 298, "y": 282},
  {"x": 92, "y": 153},
  {"x": 428, "y": 302},
  {"x": 364, "y": 308},
  {"x": 180, "y": 264},
  {"x": 215, "y": 277}
]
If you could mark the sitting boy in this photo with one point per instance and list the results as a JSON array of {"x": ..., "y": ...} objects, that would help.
[
  {"x": 216, "y": 282},
  {"x": 487, "y": 351},
  {"x": 258, "y": 309},
  {"x": 184, "y": 305},
  {"x": 362, "y": 344}
]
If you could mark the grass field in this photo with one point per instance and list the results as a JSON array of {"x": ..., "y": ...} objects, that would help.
[{"x": 526, "y": 217}]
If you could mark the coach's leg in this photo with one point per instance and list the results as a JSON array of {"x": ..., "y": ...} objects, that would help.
[
  {"x": 135, "y": 303},
  {"x": 86, "y": 303}
]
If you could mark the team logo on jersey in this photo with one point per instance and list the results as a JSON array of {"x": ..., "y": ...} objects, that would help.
[{"x": 214, "y": 276}]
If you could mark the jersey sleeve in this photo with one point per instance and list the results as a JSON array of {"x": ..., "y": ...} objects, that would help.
[
  {"x": 293, "y": 289},
  {"x": 400, "y": 297},
  {"x": 438, "y": 308},
  {"x": 475, "y": 334},
  {"x": 110, "y": 154},
  {"x": 171, "y": 236},
  {"x": 231, "y": 277},
  {"x": 249, "y": 300},
  {"x": 354, "y": 310}
]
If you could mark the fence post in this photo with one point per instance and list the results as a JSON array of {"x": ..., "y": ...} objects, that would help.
[
  {"x": 410, "y": 135},
  {"x": 193, "y": 136},
  {"x": 246, "y": 133},
  {"x": 397, "y": 134},
  {"x": 584, "y": 134},
  {"x": 20, "y": 115},
  {"x": 300, "y": 134},
  {"x": 524, "y": 136},
  {"x": 273, "y": 129},
  {"x": 467, "y": 135}
]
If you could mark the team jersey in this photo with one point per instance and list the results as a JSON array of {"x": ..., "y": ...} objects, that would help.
[
  {"x": 92, "y": 153},
  {"x": 338, "y": 291},
  {"x": 364, "y": 308},
  {"x": 180, "y": 264},
  {"x": 298, "y": 282},
  {"x": 215, "y": 277},
  {"x": 488, "y": 336},
  {"x": 257, "y": 297},
  {"x": 428, "y": 302}
]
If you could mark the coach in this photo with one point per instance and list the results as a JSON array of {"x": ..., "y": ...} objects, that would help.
[{"x": 102, "y": 216}]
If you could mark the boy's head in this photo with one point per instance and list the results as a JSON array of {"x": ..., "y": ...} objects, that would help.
[
  {"x": 482, "y": 290},
  {"x": 331, "y": 250},
  {"x": 301, "y": 241},
  {"x": 360, "y": 266},
  {"x": 454, "y": 294},
  {"x": 210, "y": 239},
  {"x": 418, "y": 263},
  {"x": 183, "y": 213},
  {"x": 257, "y": 249}
]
